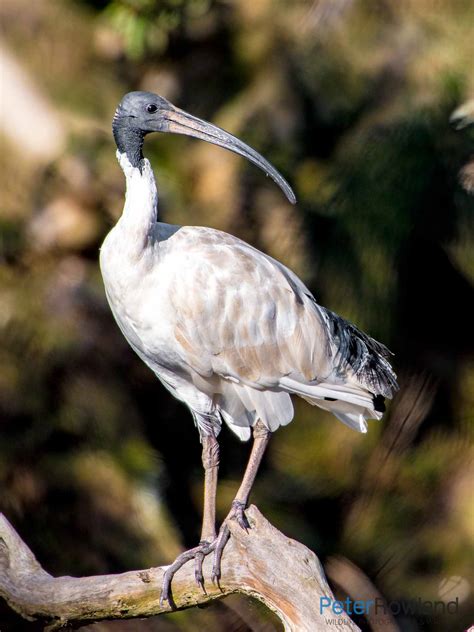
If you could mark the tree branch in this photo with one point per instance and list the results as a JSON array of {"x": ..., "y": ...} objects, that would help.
[{"x": 264, "y": 564}]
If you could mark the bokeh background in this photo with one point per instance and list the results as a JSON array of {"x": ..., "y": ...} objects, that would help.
[{"x": 353, "y": 101}]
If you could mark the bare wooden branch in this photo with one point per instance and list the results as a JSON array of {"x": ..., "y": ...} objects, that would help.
[{"x": 264, "y": 564}]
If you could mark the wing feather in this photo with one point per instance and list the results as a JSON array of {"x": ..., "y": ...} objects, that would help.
[{"x": 247, "y": 319}]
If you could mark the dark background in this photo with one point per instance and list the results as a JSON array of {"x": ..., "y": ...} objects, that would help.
[{"x": 100, "y": 468}]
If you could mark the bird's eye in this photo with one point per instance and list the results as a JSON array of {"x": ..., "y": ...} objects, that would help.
[{"x": 151, "y": 108}]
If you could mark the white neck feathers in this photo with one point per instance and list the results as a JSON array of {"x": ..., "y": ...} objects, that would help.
[{"x": 141, "y": 201}]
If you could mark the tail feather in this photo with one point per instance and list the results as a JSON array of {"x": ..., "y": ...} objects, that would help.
[
  {"x": 325, "y": 391},
  {"x": 353, "y": 416},
  {"x": 351, "y": 404},
  {"x": 364, "y": 356}
]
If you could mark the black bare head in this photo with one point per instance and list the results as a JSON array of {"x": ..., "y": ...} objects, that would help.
[
  {"x": 138, "y": 114},
  {"x": 141, "y": 113}
]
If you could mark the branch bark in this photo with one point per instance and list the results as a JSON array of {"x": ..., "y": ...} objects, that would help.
[{"x": 282, "y": 573}]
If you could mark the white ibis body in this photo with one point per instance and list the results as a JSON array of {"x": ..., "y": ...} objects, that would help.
[{"x": 228, "y": 330}]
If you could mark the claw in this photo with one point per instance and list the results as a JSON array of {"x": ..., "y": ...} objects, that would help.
[
  {"x": 165, "y": 593},
  {"x": 198, "y": 554},
  {"x": 238, "y": 513},
  {"x": 221, "y": 541},
  {"x": 198, "y": 571},
  {"x": 198, "y": 561}
]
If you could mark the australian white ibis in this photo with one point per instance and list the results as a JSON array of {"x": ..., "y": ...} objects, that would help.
[{"x": 228, "y": 330}]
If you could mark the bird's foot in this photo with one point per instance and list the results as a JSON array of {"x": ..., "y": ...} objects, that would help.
[
  {"x": 203, "y": 549},
  {"x": 198, "y": 553},
  {"x": 236, "y": 513}
]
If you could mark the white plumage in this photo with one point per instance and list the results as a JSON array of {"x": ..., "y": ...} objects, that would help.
[{"x": 227, "y": 329}]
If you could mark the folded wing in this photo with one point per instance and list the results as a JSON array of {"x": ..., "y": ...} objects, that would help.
[{"x": 252, "y": 334}]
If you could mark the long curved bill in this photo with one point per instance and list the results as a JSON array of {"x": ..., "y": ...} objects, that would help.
[{"x": 179, "y": 122}]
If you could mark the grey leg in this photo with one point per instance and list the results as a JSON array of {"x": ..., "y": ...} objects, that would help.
[
  {"x": 261, "y": 437},
  {"x": 210, "y": 461}
]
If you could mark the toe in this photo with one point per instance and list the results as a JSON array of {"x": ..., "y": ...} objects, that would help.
[
  {"x": 165, "y": 591},
  {"x": 242, "y": 520},
  {"x": 197, "y": 554},
  {"x": 221, "y": 541},
  {"x": 198, "y": 574},
  {"x": 238, "y": 513}
]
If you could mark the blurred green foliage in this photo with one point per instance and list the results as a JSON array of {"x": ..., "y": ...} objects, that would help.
[
  {"x": 146, "y": 25},
  {"x": 100, "y": 468}
]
